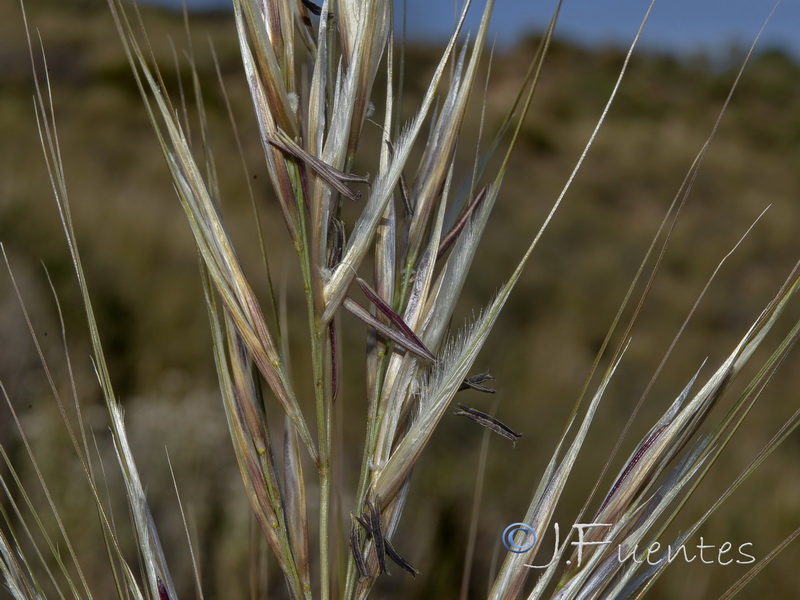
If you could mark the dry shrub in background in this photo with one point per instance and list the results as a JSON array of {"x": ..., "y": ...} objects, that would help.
[{"x": 384, "y": 217}]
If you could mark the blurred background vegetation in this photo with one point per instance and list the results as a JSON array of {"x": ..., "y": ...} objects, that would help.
[{"x": 141, "y": 268}]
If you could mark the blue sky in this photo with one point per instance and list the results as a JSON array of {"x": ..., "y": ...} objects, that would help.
[{"x": 675, "y": 25}]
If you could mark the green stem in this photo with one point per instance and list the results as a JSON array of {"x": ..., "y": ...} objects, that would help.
[
  {"x": 309, "y": 253},
  {"x": 373, "y": 425}
]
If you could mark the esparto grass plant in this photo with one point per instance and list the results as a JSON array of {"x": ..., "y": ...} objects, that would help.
[{"x": 393, "y": 248}]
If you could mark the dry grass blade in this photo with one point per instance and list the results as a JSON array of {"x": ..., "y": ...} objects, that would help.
[
  {"x": 401, "y": 372},
  {"x": 195, "y": 570},
  {"x": 278, "y": 171},
  {"x": 637, "y": 469},
  {"x": 250, "y": 193},
  {"x": 269, "y": 47},
  {"x": 251, "y": 445},
  {"x": 437, "y": 161},
  {"x": 442, "y": 142},
  {"x": 364, "y": 29},
  {"x": 513, "y": 573},
  {"x": 757, "y": 568},
  {"x": 147, "y": 538},
  {"x": 728, "y": 426},
  {"x": 401, "y": 338},
  {"x": 112, "y": 547},
  {"x": 363, "y": 32},
  {"x": 461, "y": 258},
  {"x": 405, "y": 193},
  {"x": 459, "y": 225},
  {"x": 599, "y": 570},
  {"x": 16, "y": 576},
  {"x": 393, "y": 317},
  {"x": 212, "y": 240},
  {"x": 635, "y": 483},
  {"x": 330, "y": 175},
  {"x": 382, "y": 188},
  {"x": 448, "y": 376},
  {"x": 296, "y": 501}
]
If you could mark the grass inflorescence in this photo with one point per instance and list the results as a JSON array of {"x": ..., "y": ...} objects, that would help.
[{"x": 384, "y": 218}]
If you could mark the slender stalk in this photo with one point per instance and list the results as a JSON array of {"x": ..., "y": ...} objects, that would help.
[{"x": 309, "y": 254}]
